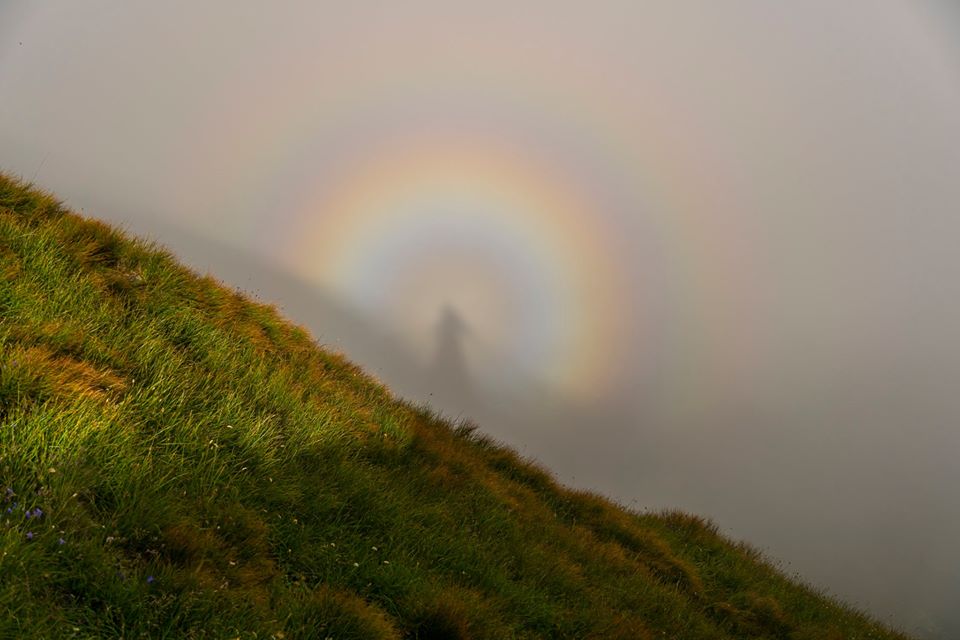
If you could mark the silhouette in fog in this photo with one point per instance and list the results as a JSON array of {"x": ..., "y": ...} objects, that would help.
[{"x": 447, "y": 374}]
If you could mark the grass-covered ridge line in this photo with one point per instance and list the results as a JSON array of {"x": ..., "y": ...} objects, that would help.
[{"x": 177, "y": 461}]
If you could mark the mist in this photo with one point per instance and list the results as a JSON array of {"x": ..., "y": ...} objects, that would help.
[{"x": 698, "y": 257}]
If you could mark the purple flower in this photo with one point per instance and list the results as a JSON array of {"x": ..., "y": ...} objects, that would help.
[
  {"x": 61, "y": 542},
  {"x": 150, "y": 579},
  {"x": 29, "y": 535}
]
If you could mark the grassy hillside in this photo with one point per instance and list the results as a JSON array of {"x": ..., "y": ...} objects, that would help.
[{"x": 177, "y": 461}]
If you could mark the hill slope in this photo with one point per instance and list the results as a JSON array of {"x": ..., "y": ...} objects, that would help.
[{"x": 178, "y": 461}]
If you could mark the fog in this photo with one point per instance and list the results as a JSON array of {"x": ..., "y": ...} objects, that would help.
[{"x": 689, "y": 255}]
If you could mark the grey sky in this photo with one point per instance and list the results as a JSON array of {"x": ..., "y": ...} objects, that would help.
[{"x": 775, "y": 188}]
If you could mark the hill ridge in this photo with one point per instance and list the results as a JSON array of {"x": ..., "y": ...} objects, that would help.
[{"x": 179, "y": 461}]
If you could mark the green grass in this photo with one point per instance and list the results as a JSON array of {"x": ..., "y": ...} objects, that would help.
[{"x": 205, "y": 470}]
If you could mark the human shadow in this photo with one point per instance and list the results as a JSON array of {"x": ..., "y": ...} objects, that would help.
[{"x": 447, "y": 374}]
